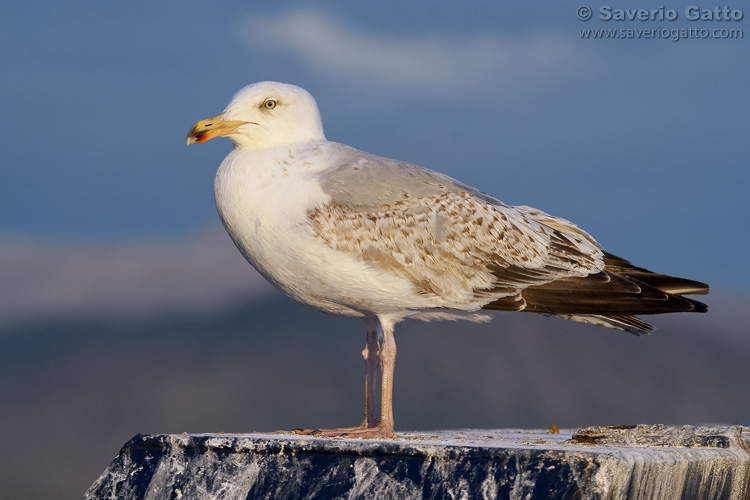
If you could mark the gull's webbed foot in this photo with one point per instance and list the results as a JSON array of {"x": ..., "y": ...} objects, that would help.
[{"x": 379, "y": 431}]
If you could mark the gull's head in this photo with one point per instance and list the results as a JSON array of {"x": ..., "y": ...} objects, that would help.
[{"x": 264, "y": 115}]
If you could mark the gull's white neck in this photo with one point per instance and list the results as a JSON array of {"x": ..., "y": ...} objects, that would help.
[{"x": 252, "y": 177}]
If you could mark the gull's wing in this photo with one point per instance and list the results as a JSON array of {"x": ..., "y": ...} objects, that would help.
[
  {"x": 449, "y": 240},
  {"x": 470, "y": 251}
]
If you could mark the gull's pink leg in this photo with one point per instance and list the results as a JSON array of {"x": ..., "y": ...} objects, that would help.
[
  {"x": 374, "y": 356},
  {"x": 384, "y": 428},
  {"x": 372, "y": 364}
]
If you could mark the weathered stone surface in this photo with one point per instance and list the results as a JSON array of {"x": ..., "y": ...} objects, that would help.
[{"x": 643, "y": 462}]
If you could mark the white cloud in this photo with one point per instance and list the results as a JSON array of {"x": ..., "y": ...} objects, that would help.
[{"x": 423, "y": 62}]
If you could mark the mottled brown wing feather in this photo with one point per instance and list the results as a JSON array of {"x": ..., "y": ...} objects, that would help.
[{"x": 458, "y": 247}]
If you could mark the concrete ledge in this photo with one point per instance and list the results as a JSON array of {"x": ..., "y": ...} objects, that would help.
[{"x": 642, "y": 462}]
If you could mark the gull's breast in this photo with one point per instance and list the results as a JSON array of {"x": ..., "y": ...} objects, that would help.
[{"x": 264, "y": 204}]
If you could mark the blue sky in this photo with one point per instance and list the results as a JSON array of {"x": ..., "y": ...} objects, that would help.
[{"x": 641, "y": 142}]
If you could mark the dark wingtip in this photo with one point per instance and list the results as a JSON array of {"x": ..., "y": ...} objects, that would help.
[{"x": 698, "y": 306}]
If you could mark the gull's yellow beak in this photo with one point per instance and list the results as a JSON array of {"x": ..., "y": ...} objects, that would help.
[{"x": 212, "y": 127}]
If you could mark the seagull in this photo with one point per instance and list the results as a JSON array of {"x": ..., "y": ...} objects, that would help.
[{"x": 354, "y": 234}]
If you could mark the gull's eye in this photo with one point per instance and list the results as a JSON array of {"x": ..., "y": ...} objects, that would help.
[{"x": 269, "y": 104}]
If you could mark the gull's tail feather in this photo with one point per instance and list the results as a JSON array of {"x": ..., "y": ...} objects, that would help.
[
  {"x": 669, "y": 284},
  {"x": 630, "y": 324},
  {"x": 611, "y": 298}
]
